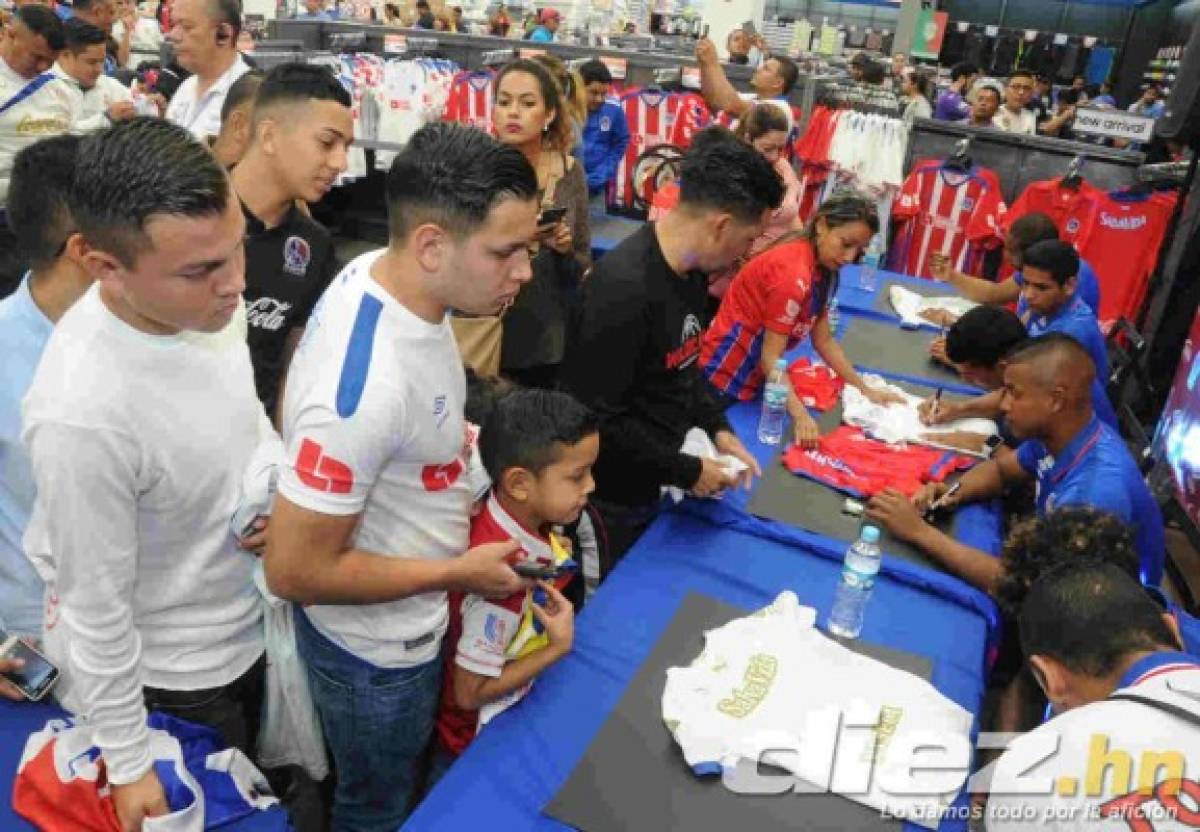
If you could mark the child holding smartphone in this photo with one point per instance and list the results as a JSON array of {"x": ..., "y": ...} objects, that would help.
[{"x": 538, "y": 447}]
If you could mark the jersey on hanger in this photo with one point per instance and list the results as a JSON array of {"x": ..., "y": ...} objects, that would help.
[
  {"x": 656, "y": 117},
  {"x": 950, "y": 212},
  {"x": 471, "y": 100},
  {"x": 848, "y": 460},
  {"x": 1073, "y": 210},
  {"x": 1123, "y": 248}
]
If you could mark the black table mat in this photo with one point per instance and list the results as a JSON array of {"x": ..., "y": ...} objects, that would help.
[
  {"x": 633, "y": 775},
  {"x": 883, "y": 345},
  {"x": 800, "y": 502}
]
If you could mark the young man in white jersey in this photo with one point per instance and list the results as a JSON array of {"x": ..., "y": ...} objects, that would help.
[
  {"x": 205, "y": 33},
  {"x": 371, "y": 523},
  {"x": 33, "y": 105},
  {"x": 139, "y": 423},
  {"x": 100, "y": 101},
  {"x": 1124, "y": 750}
]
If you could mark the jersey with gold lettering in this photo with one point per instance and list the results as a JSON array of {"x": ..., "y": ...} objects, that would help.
[
  {"x": 772, "y": 688},
  {"x": 31, "y": 109}
]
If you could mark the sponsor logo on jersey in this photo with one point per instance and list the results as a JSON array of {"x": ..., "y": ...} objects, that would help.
[
  {"x": 493, "y": 629},
  {"x": 1122, "y": 223},
  {"x": 296, "y": 256},
  {"x": 321, "y": 472},
  {"x": 439, "y": 409},
  {"x": 790, "y": 313},
  {"x": 830, "y": 462},
  {"x": 760, "y": 674},
  {"x": 605, "y": 124},
  {"x": 441, "y": 477},
  {"x": 267, "y": 313}
]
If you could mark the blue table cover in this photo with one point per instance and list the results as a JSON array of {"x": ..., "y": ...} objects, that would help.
[{"x": 515, "y": 767}]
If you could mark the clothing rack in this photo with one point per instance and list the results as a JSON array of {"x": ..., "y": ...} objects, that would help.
[
  {"x": 864, "y": 98},
  {"x": 1020, "y": 159}
]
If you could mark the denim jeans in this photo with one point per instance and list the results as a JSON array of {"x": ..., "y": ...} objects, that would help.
[{"x": 377, "y": 722}]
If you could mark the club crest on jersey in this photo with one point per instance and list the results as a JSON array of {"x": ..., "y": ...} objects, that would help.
[
  {"x": 493, "y": 629},
  {"x": 1073, "y": 226},
  {"x": 605, "y": 124},
  {"x": 968, "y": 203},
  {"x": 296, "y": 256}
]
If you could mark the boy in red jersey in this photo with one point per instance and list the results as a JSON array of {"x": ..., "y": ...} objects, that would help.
[{"x": 538, "y": 447}]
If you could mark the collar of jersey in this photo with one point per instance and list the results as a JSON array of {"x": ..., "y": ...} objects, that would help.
[
  {"x": 1155, "y": 663},
  {"x": 536, "y": 547},
  {"x": 1080, "y": 444}
]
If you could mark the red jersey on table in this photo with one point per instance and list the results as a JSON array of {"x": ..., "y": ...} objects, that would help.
[
  {"x": 471, "y": 100},
  {"x": 1123, "y": 248},
  {"x": 816, "y": 385},
  {"x": 850, "y": 461},
  {"x": 1073, "y": 210},
  {"x": 485, "y": 634},
  {"x": 775, "y": 292},
  {"x": 947, "y": 211}
]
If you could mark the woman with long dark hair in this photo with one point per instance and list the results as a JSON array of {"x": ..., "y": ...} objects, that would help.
[
  {"x": 530, "y": 114},
  {"x": 782, "y": 297}
]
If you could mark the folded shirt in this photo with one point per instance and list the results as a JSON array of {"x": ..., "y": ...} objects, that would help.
[
  {"x": 901, "y": 423},
  {"x": 912, "y": 307},
  {"x": 816, "y": 384}
]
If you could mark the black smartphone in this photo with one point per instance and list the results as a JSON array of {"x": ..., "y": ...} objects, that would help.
[
  {"x": 537, "y": 571},
  {"x": 35, "y": 678},
  {"x": 551, "y": 216}
]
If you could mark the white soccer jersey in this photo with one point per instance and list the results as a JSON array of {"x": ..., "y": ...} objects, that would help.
[
  {"x": 373, "y": 425},
  {"x": 27, "y": 115},
  {"x": 92, "y": 104},
  {"x": 772, "y": 682},
  {"x": 897, "y": 423}
]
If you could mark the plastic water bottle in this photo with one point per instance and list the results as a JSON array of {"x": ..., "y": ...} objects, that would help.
[
  {"x": 834, "y": 315},
  {"x": 858, "y": 579},
  {"x": 774, "y": 405},
  {"x": 868, "y": 271}
]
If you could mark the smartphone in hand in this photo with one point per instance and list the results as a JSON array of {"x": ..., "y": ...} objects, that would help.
[{"x": 36, "y": 677}]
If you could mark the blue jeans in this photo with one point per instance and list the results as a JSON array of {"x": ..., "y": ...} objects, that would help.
[{"x": 377, "y": 722}]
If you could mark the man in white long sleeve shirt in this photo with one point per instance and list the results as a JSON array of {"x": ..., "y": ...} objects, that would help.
[
  {"x": 33, "y": 104},
  {"x": 100, "y": 101},
  {"x": 205, "y": 33},
  {"x": 139, "y": 423}
]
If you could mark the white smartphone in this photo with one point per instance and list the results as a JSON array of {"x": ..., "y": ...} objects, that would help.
[{"x": 35, "y": 678}]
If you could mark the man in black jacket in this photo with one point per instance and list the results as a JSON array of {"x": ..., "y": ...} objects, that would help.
[{"x": 631, "y": 355}]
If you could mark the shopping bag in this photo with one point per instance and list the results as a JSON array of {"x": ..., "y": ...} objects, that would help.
[{"x": 291, "y": 731}]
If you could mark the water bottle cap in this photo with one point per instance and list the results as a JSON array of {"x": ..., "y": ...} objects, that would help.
[
  {"x": 870, "y": 534},
  {"x": 781, "y": 364}
]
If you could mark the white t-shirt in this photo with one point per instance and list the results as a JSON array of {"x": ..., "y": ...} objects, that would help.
[
  {"x": 773, "y": 682},
  {"x": 1072, "y": 747},
  {"x": 201, "y": 114},
  {"x": 90, "y": 106},
  {"x": 373, "y": 425},
  {"x": 46, "y": 112},
  {"x": 138, "y": 444},
  {"x": 1023, "y": 121}
]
